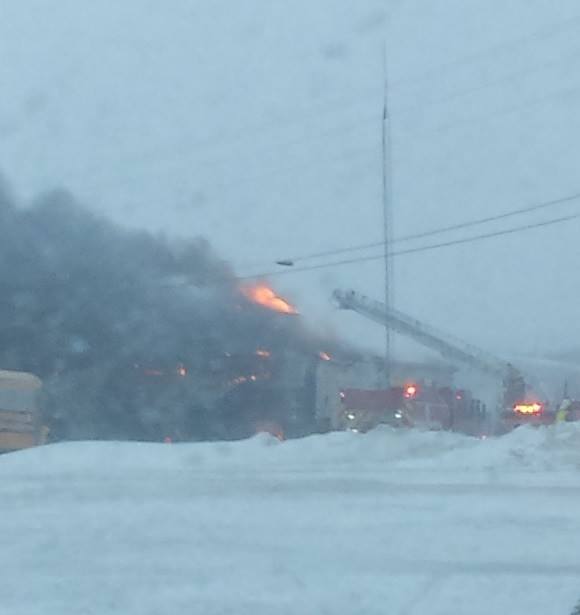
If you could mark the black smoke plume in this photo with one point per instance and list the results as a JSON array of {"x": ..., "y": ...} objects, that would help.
[{"x": 136, "y": 336}]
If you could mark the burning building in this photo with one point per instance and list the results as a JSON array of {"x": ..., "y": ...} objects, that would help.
[
  {"x": 262, "y": 294},
  {"x": 142, "y": 337}
]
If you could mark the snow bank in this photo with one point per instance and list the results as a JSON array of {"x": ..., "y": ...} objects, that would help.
[
  {"x": 387, "y": 523},
  {"x": 526, "y": 448},
  {"x": 553, "y": 448}
]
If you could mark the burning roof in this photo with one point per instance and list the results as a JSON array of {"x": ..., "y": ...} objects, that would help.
[{"x": 263, "y": 295}]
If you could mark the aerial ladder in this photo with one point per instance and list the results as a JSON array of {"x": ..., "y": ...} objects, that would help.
[{"x": 454, "y": 350}]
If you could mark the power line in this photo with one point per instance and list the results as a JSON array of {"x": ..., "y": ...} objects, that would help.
[
  {"x": 419, "y": 249},
  {"x": 517, "y": 229},
  {"x": 439, "y": 231}
]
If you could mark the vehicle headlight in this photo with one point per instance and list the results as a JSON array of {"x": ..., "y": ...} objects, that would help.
[{"x": 351, "y": 416}]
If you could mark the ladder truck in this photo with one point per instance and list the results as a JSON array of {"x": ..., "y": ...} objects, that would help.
[{"x": 515, "y": 409}]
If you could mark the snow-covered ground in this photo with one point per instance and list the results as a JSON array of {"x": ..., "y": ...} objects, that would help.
[{"x": 386, "y": 523}]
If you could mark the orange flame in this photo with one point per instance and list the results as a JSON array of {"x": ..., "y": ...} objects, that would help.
[
  {"x": 533, "y": 408},
  {"x": 265, "y": 296}
]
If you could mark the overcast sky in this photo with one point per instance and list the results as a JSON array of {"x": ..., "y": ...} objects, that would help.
[{"x": 256, "y": 123}]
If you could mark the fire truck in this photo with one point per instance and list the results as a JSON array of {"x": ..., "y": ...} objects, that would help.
[
  {"x": 516, "y": 400},
  {"x": 423, "y": 407},
  {"x": 362, "y": 410},
  {"x": 538, "y": 413},
  {"x": 414, "y": 405},
  {"x": 532, "y": 413}
]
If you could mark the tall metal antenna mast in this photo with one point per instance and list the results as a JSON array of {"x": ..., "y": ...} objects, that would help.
[{"x": 387, "y": 211}]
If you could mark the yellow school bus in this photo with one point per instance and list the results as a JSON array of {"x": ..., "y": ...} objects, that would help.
[{"x": 20, "y": 421}]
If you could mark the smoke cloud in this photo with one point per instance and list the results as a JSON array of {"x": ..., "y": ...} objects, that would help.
[{"x": 136, "y": 336}]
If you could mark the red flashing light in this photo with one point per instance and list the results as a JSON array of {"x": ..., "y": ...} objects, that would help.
[{"x": 410, "y": 391}]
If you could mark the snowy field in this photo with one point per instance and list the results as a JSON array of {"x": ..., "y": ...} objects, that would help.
[{"x": 385, "y": 523}]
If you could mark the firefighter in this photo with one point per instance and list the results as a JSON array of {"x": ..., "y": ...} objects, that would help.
[{"x": 563, "y": 411}]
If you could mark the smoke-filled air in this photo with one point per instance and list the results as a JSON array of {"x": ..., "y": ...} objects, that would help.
[{"x": 136, "y": 335}]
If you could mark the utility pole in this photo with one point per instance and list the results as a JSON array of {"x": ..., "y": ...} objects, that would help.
[{"x": 387, "y": 198}]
